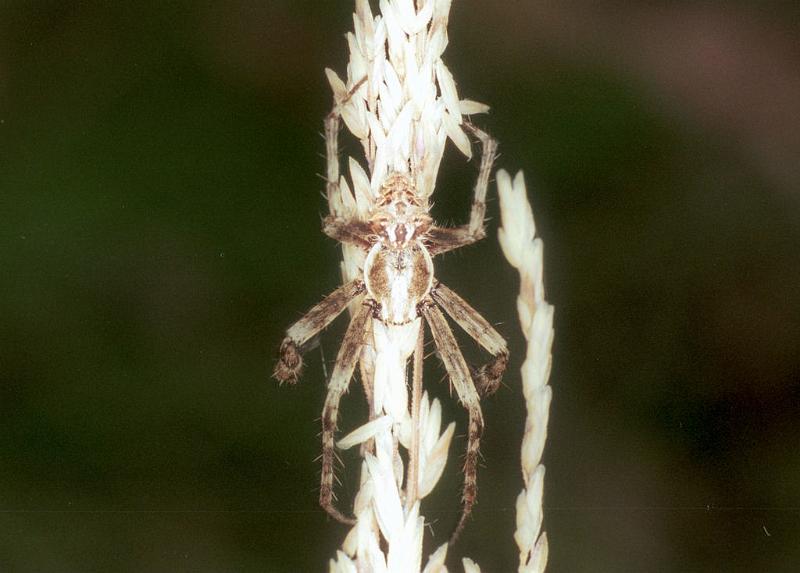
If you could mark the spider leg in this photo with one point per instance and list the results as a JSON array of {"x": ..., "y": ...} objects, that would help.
[
  {"x": 346, "y": 360},
  {"x": 332, "y": 123},
  {"x": 443, "y": 239},
  {"x": 460, "y": 377},
  {"x": 353, "y": 231},
  {"x": 488, "y": 376},
  {"x": 350, "y": 351},
  {"x": 290, "y": 361},
  {"x": 345, "y": 231}
]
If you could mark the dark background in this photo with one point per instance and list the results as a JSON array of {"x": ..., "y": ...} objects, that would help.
[{"x": 160, "y": 205}]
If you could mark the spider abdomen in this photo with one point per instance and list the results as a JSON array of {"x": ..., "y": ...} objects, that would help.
[{"x": 398, "y": 279}]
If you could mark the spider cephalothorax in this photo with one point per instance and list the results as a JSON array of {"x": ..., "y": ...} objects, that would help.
[
  {"x": 398, "y": 271},
  {"x": 400, "y": 215},
  {"x": 398, "y": 287}
]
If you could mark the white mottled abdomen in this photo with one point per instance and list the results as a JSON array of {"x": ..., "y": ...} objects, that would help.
[{"x": 398, "y": 279}]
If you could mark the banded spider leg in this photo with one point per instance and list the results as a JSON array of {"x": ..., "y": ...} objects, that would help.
[
  {"x": 290, "y": 364},
  {"x": 485, "y": 380},
  {"x": 444, "y": 239}
]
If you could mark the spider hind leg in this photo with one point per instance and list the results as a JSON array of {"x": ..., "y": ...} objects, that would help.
[
  {"x": 346, "y": 360},
  {"x": 459, "y": 374}
]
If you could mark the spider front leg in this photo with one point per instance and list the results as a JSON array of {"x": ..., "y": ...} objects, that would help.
[
  {"x": 345, "y": 231},
  {"x": 488, "y": 376},
  {"x": 443, "y": 239},
  {"x": 332, "y": 123},
  {"x": 460, "y": 377},
  {"x": 346, "y": 360},
  {"x": 290, "y": 361}
]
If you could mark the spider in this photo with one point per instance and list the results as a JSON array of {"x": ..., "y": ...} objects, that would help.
[{"x": 398, "y": 287}]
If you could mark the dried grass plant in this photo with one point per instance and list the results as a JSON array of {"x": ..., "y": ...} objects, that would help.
[
  {"x": 524, "y": 251},
  {"x": 400, "y": 101}
]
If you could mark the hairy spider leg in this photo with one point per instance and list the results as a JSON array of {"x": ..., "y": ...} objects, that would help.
[
  {"x": 345, "y": 231},
  {"x": 350, "y": 231},
  {"x": 460, "y": 378},
  {"x": 444, "y": 239},
  {"x": 290, "y": 360},
  {"x": 488, "y": 377},
  {"x": 349, "y": 353},
  {"x": 332, "y": 125}
]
